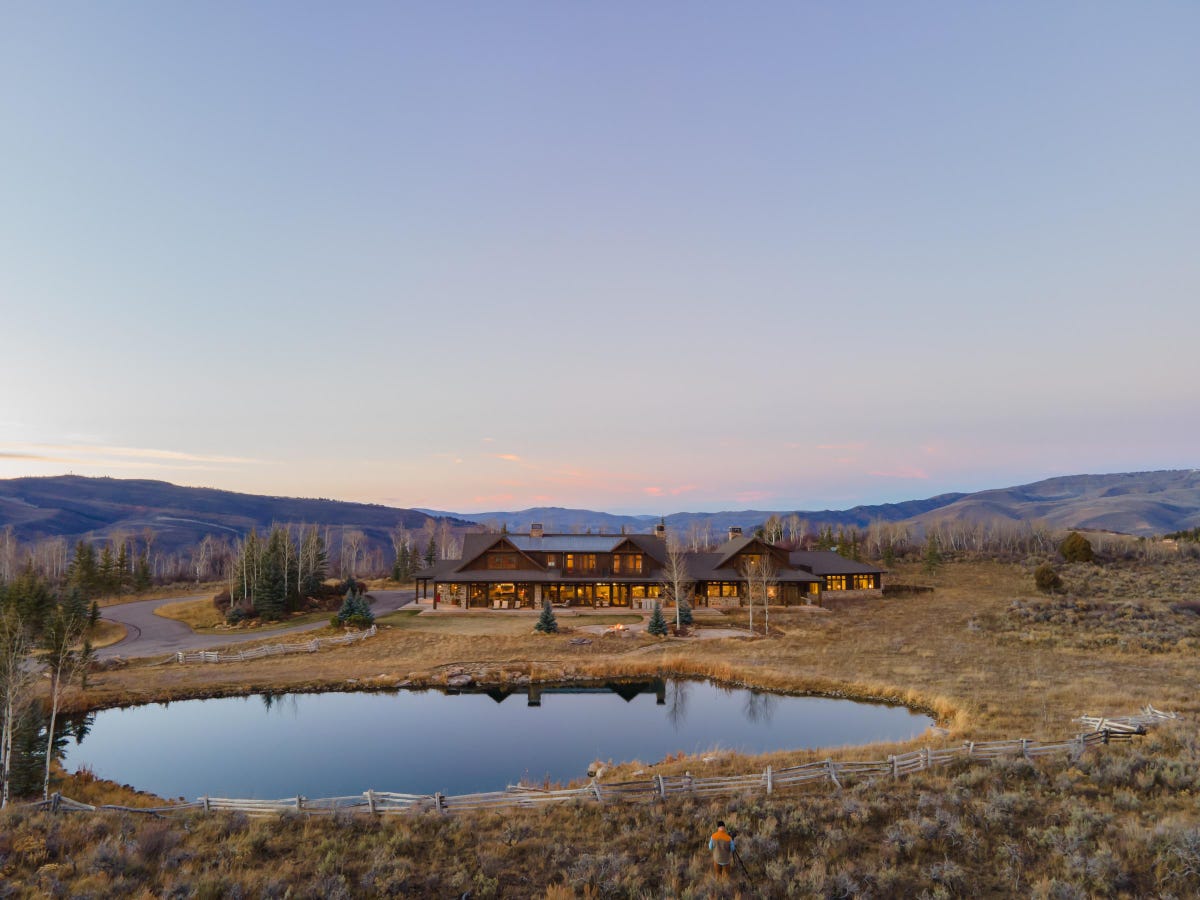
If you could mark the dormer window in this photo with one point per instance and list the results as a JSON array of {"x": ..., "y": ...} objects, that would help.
[{"x": 551, "y": 560}]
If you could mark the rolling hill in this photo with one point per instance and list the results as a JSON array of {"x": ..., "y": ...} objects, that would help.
[{"x": 78, "y": 507}]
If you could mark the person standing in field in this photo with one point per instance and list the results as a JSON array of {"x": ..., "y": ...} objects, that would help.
[{"x": 721, "y": 845}]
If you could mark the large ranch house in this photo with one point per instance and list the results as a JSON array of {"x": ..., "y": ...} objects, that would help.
[{"x": 520, "y": 571}]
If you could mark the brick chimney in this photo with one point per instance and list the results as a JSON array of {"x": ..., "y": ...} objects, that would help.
[
  {"x": 735, "y": 531},
  {"x": 536, "y": 530},
  {"x": 660, "y": 531}
]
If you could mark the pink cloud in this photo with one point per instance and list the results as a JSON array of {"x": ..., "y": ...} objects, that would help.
[
  {"x": 653, "y": 491},
  {"x": 902, "y": 472},
  {"x": 510, "y": 457}
]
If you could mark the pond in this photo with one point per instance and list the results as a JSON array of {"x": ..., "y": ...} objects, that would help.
[{"x": 335, "y": 744}]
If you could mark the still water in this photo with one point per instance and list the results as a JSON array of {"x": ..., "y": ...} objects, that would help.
[{"x": 322, "y": 745}]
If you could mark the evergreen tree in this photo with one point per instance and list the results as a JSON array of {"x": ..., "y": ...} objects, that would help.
[
  {"x": 356, "y": 610},
  {"x": 122, "y": 574},
  {"x": 657, "y": 625},
  {"x": 933, "y": 554},
  {"x": 313, "y": 561},
  {"x": 270, "y": 596},
  {"x": 431, "y": 553},
  {"x": 81, "y": 572},
  {"x": 889, "y": 555},
  {"x": 142, "y": 579},
  {"x": 106, "y": 575},
  {"x": 546, "y": 622},
  {"x": 685, "y": 612}
]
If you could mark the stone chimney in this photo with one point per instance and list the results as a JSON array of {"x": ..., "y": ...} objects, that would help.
[
  {"x": 735, "y": 531},
  {"x": 536, "y": 530},
  {"x": 660, "y": 531}
]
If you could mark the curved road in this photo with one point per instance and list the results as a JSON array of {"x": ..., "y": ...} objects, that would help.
[{"x": 151, "y": 635}]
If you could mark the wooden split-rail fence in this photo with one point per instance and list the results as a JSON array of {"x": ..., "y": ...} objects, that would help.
[
  {"x": 770, "y": 780},
  {"x": 213, "y": 656}
]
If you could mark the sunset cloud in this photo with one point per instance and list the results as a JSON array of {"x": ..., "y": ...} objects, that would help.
[{"x": 117, "y": 456}]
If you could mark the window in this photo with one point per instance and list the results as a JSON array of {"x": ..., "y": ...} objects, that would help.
[
  {"x": 551, "y": 561},
  {"x": 587, "y": 562},
  {"x": 502, "y": 561},
  {"x": 814, "y": 588},
  {"x": 835, "y": 582},
  {"x": 864, "y": 582},
  {"x": 629, "y": 563},
  {"x": 570, "y": 562}
]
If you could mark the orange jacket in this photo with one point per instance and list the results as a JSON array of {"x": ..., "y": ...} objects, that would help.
[{"x": 721, "y": 845}]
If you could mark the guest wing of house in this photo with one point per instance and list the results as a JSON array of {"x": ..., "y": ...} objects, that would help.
[{"x": 520, "y": 571}]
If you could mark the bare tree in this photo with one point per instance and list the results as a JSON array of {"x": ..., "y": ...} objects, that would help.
[
  {"x": 762, "y": 577},
  {"x": 676, "y": 581},
  {"x": 68, "y": 653},
  {"x": 17, "y": 678},
  {"x": 352, "y": 549}
]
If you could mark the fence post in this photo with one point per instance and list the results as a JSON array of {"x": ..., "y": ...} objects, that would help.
[
  {"x": 179, "y": 656},
  {"x": 662, "y": 786},
  {"x": 55, "y": 801},
  {"x": 831, "y": 768},
  {"x": 1025, "y": 747},
  {"x": 688, "y": 784},
  {"x": 596, "y": 791},
  {"x": 925, "y": 758},
  {"x": 207, "y": 804},
  {"x": 371, "y": 801},
  {"x": 970, "y": 749},
  {"x": 895, "y": 767},
  {"x": 299, "y": 803},
  {"x": 439, "y": 800},
  {"x": 770, "y": 780}
]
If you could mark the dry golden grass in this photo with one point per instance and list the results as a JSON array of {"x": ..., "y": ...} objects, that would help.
[
  {"x": 928, "y": 651},
  {"x": 106, "y": 633},
  {"x": 189, "y": 590},
  {"x": 196, "y": 614},
  {"x": 1119, "y": 822},
  {"x": 485, "y": 624}
]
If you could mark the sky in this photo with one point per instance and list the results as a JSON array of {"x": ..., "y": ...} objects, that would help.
[{"x": 642, "y": 257}]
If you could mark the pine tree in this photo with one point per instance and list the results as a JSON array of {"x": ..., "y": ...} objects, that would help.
[
  {"x": 81, "y": 572},
  {"x": 933, "y": 554},
  {"x": 685, "y": 612},
  {"x": 657, "y": 625},
  {"x": 106, "y": 575},
  {"x": 270, "y": 595},
  {"x": 142, "y": 579},
  {"x": 313, "y": 561},
  {"x": 356, "y": 610},
  {"x": 546, "y": 622},
  {"x": 122, "y": 574},
  {"x": 431, "y": 553}
]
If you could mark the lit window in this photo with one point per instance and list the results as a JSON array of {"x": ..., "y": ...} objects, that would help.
[
  {"x": 864, "y": 582},
  {"x": 835, "y": 582}
]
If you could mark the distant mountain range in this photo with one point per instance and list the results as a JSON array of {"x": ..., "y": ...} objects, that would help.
[
  {"x": 1141, "y": 503},
  {"x": 78, "y": 507}
]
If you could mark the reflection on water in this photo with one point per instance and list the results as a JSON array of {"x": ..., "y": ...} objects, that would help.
[{"x": 452, "y": 741}]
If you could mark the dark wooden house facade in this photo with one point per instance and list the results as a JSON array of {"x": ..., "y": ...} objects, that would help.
[{"x": 520, "y": 571}]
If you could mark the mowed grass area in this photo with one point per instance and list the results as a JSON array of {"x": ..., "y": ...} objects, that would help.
[{"x": 189, "y": 591}]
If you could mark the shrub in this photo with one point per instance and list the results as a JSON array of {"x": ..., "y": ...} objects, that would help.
[
  {"x": 1076, "y": 548},
  {"x": 1047, "y": 579},
  {"x": 685, "y": 612},
  {"x": 356, "y": 611}
]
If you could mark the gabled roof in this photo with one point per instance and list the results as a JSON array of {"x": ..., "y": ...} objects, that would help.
[
  {"x": 826, "y": 562},
  {"x": 728, "y": 550},
  {"x": 473, "y": 549}
]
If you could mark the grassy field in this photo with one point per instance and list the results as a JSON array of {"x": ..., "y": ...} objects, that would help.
[
  {"x": 203, "y": 618},
  {"x": 189, "y": 590},
  {"x": 484, "y": 624},
  {"x": 985, "y": 652}
]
